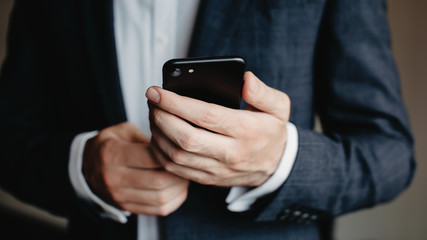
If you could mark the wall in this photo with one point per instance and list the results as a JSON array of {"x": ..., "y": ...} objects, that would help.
[
  {"x": 5, "y": 6},
  {"x": 405, "y": 218}
]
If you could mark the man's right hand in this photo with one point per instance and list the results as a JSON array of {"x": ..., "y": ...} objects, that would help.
[{"x": 119, "y": 166}]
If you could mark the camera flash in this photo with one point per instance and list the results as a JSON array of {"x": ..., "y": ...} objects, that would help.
[{"x": 190, "y": 70}]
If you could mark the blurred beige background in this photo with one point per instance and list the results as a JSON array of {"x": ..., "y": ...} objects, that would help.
[{"x": 404, "y": 218}]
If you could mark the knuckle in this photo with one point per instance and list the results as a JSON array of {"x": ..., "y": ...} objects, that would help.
[
  {"x": 240, "y": 131},
  {"x": 157, "y": 115},
  {"x": 285, "y": 102},
  {"x": 111, "y": 180},
  {"x": 106, "y": 150},
  {"x": 285, "y": 98},
  {"x": 129, "y": 126},
  {"x": 248, "y": 133},
  {"x": 282, "y": 126},
  {"x": 232, "y": 157},
  {"x": 116, "y": 196},
  {"x": 206, "y": 180},
  {"x": 198, "y": 179},
  {"x": 163, "y": 211},
  {"x": 104, "y": 134},
  {"x": 162, "y": 198},
  {"x": 187, "y": 142},
  {"x": 209, "y": 117},
  {"x": 203, "y": 181},
  {"x": 159, "y": 182},
  {"x": 169, "y": 166},
  {"x": 178, "y": 156},
  {"x": 185, "y": 187},
  {"x": 277, "y": 128},
  {"x": 223, "y": 174},
  {"x": 131, "y": 207},
  {"x": 110, "y": 132},
  {"x": 246, "y": 127},
  {"x": 236, "y": 162},
  {"x": 126, "y": 207}
]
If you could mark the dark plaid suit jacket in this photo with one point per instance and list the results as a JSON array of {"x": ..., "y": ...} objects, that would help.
[{"x": 332, "y": 57}]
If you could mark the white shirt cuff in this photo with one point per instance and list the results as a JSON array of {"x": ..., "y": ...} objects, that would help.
[
  {"x": 79, "y": 182},
  {"x": 240, "y": 198}
]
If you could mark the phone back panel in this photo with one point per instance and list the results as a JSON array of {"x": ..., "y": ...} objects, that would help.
[{"x": 214, "y": 80}]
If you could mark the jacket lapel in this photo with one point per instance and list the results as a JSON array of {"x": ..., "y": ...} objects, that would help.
[
  {"x": 215, "y": 20},
  {"x": 99, "y": 33},
  {"x": 216, "y": 23}
]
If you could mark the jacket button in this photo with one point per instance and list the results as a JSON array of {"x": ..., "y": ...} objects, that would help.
[
  {"x": 313, "y": 217},
  {"x": 283, "y": 215},
  {"x": 297, "y": 214},
  {"x": 305, "y": 218}
]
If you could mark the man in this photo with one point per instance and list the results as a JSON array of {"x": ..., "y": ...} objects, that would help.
[{"x": 63, "y": 79}]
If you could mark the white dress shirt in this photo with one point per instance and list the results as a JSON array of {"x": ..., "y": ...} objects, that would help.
[{"x": 147, "y": 34}]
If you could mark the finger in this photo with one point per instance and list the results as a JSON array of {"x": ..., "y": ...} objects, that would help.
[
  {"x": 195, "y": 175},
  {"x": 192, "y": 139},
  {"x": 147, "y": 179},
  {"x": 148, "y": 197},
  {"x": 219, "y": 176},
  {"x": 171, "y": 167},
  {"x": 210, "y": 116},
  {"x": 127, "y": 131},
  {"x": 161, "y": 210},
  {"x": 265, "y": 98},
  {"x": 181, "y": 157},
  {"x": 138, "y": 155}
]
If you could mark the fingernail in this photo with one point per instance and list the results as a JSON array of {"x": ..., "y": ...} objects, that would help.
[{"x": 153, "y": 95}]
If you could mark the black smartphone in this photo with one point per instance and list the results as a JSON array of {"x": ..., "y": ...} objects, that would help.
[{"x": 216, "y": 80}]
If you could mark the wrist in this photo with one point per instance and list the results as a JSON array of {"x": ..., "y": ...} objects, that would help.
[
  {"x": 79, "y": 183},
  {"x": 241, "y": 198}
]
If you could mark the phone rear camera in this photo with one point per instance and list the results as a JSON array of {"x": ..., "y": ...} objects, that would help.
[{"x": 176, "y": 72}]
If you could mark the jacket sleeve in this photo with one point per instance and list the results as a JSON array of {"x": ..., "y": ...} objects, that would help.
[
  {"x": 364, "y": 155},
  {"x": 34, "y": 153},
  {"x": 34, "y": 146}
]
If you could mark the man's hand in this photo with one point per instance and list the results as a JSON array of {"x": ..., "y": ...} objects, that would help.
[
  {"x": 119, "y": 166},
  {"x": 242, "y": 148}
]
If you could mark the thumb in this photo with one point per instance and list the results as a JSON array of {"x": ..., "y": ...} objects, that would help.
[{"x": 265, "y": 98}]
